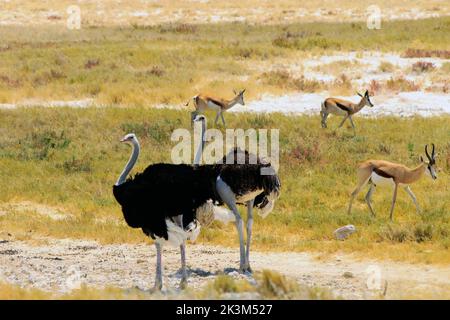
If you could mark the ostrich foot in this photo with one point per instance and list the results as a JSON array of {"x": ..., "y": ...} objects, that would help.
[
  {"x": 245, "y": 269},
  {"x": 183, "y": 283}
]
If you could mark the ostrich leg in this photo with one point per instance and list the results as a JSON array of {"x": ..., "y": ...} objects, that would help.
[
  {"x": 249, "y": 235},
  {"x": 183, "y": 282},
  {"x": 158, "y": 279},
  {"x": 228, "y": 197}
]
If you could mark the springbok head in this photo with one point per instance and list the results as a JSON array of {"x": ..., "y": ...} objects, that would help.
[
  {"x": 240, "y": 96},
  {"x": 366, "y": 98},
  {"x": 431, "y": 164}
]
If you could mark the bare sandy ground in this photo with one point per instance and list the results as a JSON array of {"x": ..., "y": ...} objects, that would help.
[{"x": 61, "y": 265}]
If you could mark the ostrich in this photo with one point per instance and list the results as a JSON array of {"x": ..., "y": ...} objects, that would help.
[
  {"x": 147, "y": 202},
  {"x": 240, "y": 184}
]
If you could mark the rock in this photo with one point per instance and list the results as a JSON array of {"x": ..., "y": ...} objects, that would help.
[
  {"x": 348, "y": 274},
  {"x": 343, "y": 232}
]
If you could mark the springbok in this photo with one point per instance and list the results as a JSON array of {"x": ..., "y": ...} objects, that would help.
[
  {"x": 380, "y": 172},
  {"x": 343, "y": 108},
  {"x": 204, "y": 102}
]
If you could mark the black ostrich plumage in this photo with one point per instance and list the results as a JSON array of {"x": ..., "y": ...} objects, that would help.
[{"x": 164, "y": 191}]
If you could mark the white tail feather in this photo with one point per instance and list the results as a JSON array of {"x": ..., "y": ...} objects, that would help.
[{"x": 223, "y": 215}]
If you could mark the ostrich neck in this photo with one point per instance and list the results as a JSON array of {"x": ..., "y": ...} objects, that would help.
[
  {"x": 201, "y": 144},
  {"x": 130, "y": 164}
]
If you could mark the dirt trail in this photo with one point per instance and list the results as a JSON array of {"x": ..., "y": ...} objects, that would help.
[{"x": 61, "y": 265}]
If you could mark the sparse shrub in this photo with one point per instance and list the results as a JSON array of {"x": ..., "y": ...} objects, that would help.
[
  {"x": 178, "y": 28},
  {"x": 39, "y": 144},
  {"x": 445, "y": 67},
  {"x": 55, "y": 74},
  {"x": 77, "y": 165},
  {"x": 395, "y": 233},
  {"x": 260, "y": 121},
  {"x": 411, "y": 149},
  {"x": 245, "y": 53},
  {"x": 374, "y": 86},
  {"x": 401, "y": 84},
  {"x": 91, "y": 63},
  {"x": 343, "y": 82},
  {"x": 386, "y": 66},
  {"x": 383, "y": 148},
  {"x": 13, "y": 83},
  {"x": 54, "y": 17},
  {"x": 225, "y": 284},
  {"x": 423, "y": 66},
  {"x": 5, "y": 47},
  {"x": 156, "y": 71},
  {"x": 423, "y": 232},
  {"x": 283, "y": 79},
  {"x": 274, "y": 285},
  {"x": 421, "y": 53},
  {"x": 305, "y": 42},
  {"x": 306, "y": 151},
  {"x": 446, "y": 156},
  {"x": 160, "y": 132}
]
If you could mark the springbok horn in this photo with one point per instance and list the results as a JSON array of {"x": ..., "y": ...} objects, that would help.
[
  {"x": 359, "y": 94},
  {"x": 243, "y": 90},
  {"x": 426, "y": 152},
  {"x": 234, "y": 91},
  {"x": 432, "y": 151}
]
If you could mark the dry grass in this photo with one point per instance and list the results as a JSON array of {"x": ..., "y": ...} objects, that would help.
[
  {"x": 168, "y": 64},
  {"x": 267, "y": 285},
  {"x": 144, "y": 13},
  {"x": 70, "y": 158}
]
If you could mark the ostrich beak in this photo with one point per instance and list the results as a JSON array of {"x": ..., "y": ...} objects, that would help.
[{"x": 123, "y": 140}]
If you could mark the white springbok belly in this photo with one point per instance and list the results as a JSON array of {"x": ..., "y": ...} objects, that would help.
[
  {"x": 213, "y": 106},
  {"x": 338, "y": 111},
  {"x": 381, "y": 181}
]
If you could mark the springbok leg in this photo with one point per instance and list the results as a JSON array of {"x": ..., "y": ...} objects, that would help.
[
  {"x": 413, "y": 197},
  {"x": 394, "y": 198},
  {"x": 369, "y": 198},
  {"x": 342, "y": 122},
  {"x": 353, "y": 125}
]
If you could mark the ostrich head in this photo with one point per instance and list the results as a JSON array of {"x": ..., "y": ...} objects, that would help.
[
  {"x": 199, "y": 117},
  {"x": 130, "y": 137}
]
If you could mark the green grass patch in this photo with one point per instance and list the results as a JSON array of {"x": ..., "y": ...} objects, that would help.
[{"x": 83, "y": 159}]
